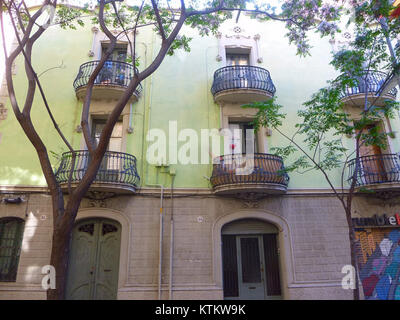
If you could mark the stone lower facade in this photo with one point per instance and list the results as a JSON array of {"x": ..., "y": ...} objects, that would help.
[{"x": 312, "y": 240}]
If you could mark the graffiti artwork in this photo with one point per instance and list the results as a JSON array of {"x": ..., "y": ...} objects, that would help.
[{"x": 379, "y": 261}]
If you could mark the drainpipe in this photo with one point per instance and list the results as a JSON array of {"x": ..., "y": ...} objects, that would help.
[
  {"x": 130, "y": 129},
  {"x": 144, "y": 95},
  {"x": 161, "y": 237},
  {"x": 171, "y": 244}
]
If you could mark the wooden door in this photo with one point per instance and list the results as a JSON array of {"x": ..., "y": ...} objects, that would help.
[
  {"x": 94, "y": 260},
  {"x": 372, "y": 163}
]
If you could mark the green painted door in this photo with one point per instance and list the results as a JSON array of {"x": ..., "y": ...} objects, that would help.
[{"x": 94, "y": 260}]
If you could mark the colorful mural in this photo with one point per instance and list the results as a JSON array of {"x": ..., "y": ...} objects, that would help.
[{"x": 379, "y": 261}]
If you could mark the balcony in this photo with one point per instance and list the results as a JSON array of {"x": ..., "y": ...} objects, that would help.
[
  {"x": 266, "y": 178},
  {"x": 117, "y": 173},
  {"x": 111, "y": 82},
  {"x": 377, "y": 173},
  {"x": 375, "y": 79},
  {"x": 242, "y": 84}
]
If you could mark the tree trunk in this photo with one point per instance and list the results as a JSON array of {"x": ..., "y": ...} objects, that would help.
[
  {"x": 59, "y": 259},
  {"x": 60, "y": 249},
  {"x": 353, "y": 253}
]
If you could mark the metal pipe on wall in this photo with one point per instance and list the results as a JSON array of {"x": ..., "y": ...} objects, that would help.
[
  {"x": 171, "y": 243},
  {"x": 160, "y": 255}
]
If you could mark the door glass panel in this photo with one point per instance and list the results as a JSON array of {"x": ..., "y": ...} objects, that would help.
[
  {"x": 98, "y": 126},
  {"x": 237, "y": 59},
  {"x": 241, "y": 137},
  {"x": 118, "y": 54},
  {"x": 116, "y": 135},
  {"x": 108, "y": 228},
  {"x": 236, "y": 142},
  {"x": 250, "y": 253},
  {"x": 89, "y": 228}
]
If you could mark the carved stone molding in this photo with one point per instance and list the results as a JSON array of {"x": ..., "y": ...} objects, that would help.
[
  {"x": 237, "y": 37},
  {"x": 250, "y": 199},
  {"x": 98, "y": 203},
  {"x": 99, "y": 195},
  {"x": 250, "y": 204}
]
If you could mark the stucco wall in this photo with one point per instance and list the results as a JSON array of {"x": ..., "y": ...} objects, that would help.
[{"x": 178, "y": 91}]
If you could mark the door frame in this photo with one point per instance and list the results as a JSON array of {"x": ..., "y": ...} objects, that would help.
[
  {"x": 286, "y": 257},
  {"x": 284, "y": 238},
  {"x": 124, "y": 257}
]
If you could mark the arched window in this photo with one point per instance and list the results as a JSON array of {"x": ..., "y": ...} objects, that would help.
[{"x": 11, "y": 230}]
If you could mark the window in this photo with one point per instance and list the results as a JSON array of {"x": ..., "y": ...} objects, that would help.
[
  {"x": 375, "y": 165},
  {"x": 115, "y": 69},
  {"x": 367, "y": 149},
  {"x": 11, "y": 230},
  {"x": 237, "y": 56},
  {"x": 241, "y": 137},
  {"x": 112, "y": 162},
  {"x": 237, "y": 59},
  {"x": 116, "y": 135},
  {"x": 119, "y": 53}
]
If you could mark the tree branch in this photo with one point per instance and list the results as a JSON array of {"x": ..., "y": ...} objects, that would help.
[{"x": 159, "y": 20}]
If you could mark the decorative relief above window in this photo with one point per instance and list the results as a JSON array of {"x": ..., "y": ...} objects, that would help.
[
  {"x": 237, "y": 38},
  {"x": 341, "y": 41},
  {"x": 100, "y": 38}
]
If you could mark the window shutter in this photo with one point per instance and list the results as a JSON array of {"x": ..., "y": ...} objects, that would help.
[
  {"x": 271, "y": 265},
  {"x": 11, "y": 230},
  {"x": 230, "y": 272}
]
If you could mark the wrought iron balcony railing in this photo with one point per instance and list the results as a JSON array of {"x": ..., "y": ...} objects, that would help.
[
  {"x": 113, "y": 73},
  {"x": 116, "y": 168},
  {"x": 370, "y": 80},
  {"x": 268, "y": 169},
  {"x": 242, "y": 77},
  {"x": 375, "y": 169}
]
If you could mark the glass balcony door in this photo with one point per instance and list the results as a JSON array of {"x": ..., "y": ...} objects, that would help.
[
  {"x": 111, "y": 163},
  {"x": 373, "y": 168},
  {"x": 237, "y": 59},
  {"x": 114, "y": 72}
]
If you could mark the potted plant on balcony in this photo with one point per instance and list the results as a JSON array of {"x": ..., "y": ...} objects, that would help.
[{"x": 105, "y": 75}]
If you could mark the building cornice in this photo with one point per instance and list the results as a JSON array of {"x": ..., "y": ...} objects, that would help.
[{"x": 167, "y": 191}]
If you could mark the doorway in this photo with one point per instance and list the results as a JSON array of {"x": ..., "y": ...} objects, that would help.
[
  {"x": 110, "y": 168},
  {"x": 250, "y": 260},
  {"x": 94, "y": 260},
  {"x": 372, "y": 158}
]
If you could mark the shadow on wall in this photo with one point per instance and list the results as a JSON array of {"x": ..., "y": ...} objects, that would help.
[
  {"x": 379, "y": 261},
  {"x": 20, "y": 176}
]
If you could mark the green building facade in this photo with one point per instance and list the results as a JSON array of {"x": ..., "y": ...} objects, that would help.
[{"x": 217, "y": 234}]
